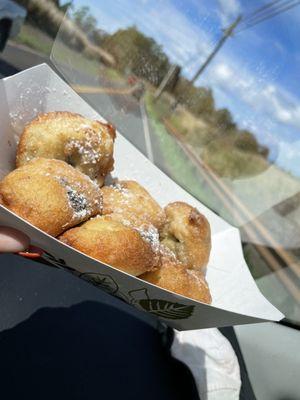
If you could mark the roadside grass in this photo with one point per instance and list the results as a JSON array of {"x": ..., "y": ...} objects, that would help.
[
  {"x": 180, "y": 167},
  {"x": 182, "y": 172},
  {"x": 113, "y": 75},
  {"x": 230, "y": 162},
  {"x": 216, "y": 149},
  {"x": 61, "y": 54},
  {"x": 35, "y": 39},
  {"x": 39, "y": 41},
  {"x": 64, "y": 55}
]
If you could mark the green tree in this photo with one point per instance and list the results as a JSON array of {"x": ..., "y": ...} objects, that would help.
[
  {"x": 98, "y": 36},
  {"x": 65, "y": 6},
  {"x": 246, "y": 141},
  {"x": 223, "y": 119},
  {"x": 85, "y": 20},
  {"x": 138, "y": 54},
  {"x": 198, "y": 100}
]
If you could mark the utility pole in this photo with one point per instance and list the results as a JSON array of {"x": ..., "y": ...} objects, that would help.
[
  {"x": 168, "y": 77},
  {"x": 226, "y": 34}
]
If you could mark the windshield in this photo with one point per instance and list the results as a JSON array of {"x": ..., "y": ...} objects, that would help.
[{"x": 208, "y": 92}]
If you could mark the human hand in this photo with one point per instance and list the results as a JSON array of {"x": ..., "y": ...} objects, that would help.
[{"x": 12, "y": 241}]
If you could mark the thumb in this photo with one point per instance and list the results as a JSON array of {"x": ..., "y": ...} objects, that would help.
[{"x": 12, "y": 240}]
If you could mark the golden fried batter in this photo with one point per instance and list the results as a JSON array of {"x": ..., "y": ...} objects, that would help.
[
  {"x": 51, "y": 195},
  {"x": 112, "y": 243},
  {"x": 129, "y": 202},
  {"x": 85, "y": 144},
  {"x": 178, "y": 279},
  {"x": 187, "y": 234}
]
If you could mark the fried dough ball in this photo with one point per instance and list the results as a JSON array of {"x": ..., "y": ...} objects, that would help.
[
  {"x": 113, "y": 243},
  {"x": 175, "y": 277},
  {"x": 51, "y": 195},
  {"x": 129, "y": 202},
  {"x": 85, "y": 144},
  {"x": 187, "y": 234}
]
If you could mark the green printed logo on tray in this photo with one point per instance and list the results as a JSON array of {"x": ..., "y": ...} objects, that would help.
[
  {"x": 105, "y": 282},
  {"x": 160, "y": 308},
  {"x": 139, "y": 298},
  {"x": 166, "y": 309}
]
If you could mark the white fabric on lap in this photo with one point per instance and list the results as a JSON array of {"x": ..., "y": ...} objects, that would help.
[{"x": 212, "y": 361}]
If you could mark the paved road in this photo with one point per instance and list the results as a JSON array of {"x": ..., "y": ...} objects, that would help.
[{"x": 16, "y": 58}]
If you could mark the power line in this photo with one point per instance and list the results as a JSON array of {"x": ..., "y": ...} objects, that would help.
[
  {"x": 227, "y": 33},
  {"x": 279, "y": 8},
  {"x": 247, "y": 26},
  {"x": 259, "y": 15},
  {"x": 264, "y": 9},
  {"x": 270, "y": 15}
]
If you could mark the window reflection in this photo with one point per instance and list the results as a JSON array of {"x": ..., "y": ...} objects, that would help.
[{"x": 208, "y": 91}]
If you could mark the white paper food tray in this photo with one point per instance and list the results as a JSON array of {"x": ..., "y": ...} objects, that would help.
[{"x": 236, "y": 298}]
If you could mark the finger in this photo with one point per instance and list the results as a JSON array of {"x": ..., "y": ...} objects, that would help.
[
  {"x": 12, "y": 241},
  {"x": 32, "y": 252}
]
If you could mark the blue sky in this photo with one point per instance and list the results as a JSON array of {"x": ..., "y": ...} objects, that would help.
[{"x": 256, "y": 75}]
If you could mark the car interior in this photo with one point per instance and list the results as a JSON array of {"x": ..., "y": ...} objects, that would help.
[{"x": 207, "y": 91}]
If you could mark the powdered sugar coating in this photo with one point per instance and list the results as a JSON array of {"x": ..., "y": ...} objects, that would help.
[
  {"x": 81, "y": 200},
  {"x": 89, "y": 148},
  {"x": 167, "y": 254},
  {"x": 85, "y": 144},
  {"x": 78, "y": 202},
  {"x": 52, "y": 195},
  {"x": 150, "y": 234},
  {"x": 129, "y": 201},
  {"x": 196, "y": 275},
  {"x": 120, "y": 188}
]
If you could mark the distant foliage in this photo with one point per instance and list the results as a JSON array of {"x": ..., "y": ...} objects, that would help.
[
  {"x": 246, "y": 141},
  {"x": 133, "y": 53},
  {"x": 45, "y": 14},
  {"x": 199, "y": 100},
  {"x": 138, "y": 54},
  {"x": 85, "y": 20}
]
